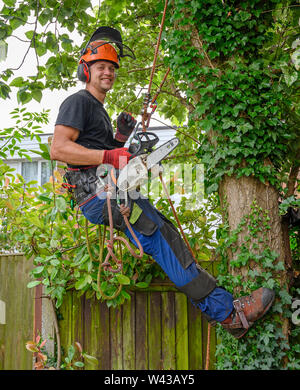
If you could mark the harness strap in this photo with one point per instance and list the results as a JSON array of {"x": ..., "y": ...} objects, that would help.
[{"x": 81, "y": 168}]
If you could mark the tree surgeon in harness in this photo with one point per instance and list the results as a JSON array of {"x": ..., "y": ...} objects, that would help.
[{"x": 84, "y": 139}]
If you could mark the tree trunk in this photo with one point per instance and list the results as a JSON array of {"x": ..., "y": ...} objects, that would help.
[{"x": 237, "y": 196}]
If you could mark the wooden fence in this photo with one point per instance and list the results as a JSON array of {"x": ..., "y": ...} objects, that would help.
[
  {"x": 16, "y": 326},
  {"x": 157, "y": 329}
]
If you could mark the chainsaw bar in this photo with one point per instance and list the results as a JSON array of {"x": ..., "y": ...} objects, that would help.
[
  {"x": 161, "y": 152},
  {"x": 136, "y": 171}
]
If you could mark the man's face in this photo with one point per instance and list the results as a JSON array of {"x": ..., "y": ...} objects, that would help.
[{"x": 102, "y": 75}]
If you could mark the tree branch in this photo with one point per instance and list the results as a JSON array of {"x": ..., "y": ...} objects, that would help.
[
  {"x": 143, "y": 69},
  {"x": 179, "y": 131},
  {"x": 182, "y": 100},
  {"x": 293, "y": 176},
  {"x": 32, "y": 39}
]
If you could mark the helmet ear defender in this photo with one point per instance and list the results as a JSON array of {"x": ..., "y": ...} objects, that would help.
[{"x": 83, "y": 72}]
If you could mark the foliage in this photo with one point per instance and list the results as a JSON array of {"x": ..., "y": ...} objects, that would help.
[
  {"x": 27, "y": 124},
  {"x": 36, "y": 347},
  {"x": 266, "y": 345},
  {"x": 237, "y": 64},
  {"x": 235, "y": 77},
  {"x": 74, "y": 360},
  {"x": 246, "y": 98},
  {"x": 54, "y": 52}
]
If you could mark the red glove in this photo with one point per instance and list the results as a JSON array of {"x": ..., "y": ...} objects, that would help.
[
  {"x": 116, "y": 157},
  {"x": 125, "y": 125}
]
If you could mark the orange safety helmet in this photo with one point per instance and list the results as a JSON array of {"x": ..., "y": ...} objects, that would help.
[
  {"x": 100, "y": 47},
  {"x": 96, "y": 51},
  {"x": 100, "y": 50}
]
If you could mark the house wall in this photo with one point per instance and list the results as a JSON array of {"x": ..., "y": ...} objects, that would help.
[{"x": 40, "y": 168}]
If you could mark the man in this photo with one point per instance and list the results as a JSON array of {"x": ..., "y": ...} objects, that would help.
[{"x": 84, "y": 139}]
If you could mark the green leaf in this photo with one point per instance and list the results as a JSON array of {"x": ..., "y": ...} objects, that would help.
[
  {"x": 285, "y": 296},
  {"x": 142, "y": 285},
  {"x": 10, "y": 3},
  {"x": 33, "y": 283},
  {"x": 71, "y": 352},
  {"x": 38, "y": 270},
  {"x": 3, "y": 50},
  {"x": 29, "y": 34},
  {"x": 41, "y": 49},
  {"x": 4, "y": 90},
  {"x": 123, "y": 279},
  {"x": 212, "y": 188},
  {"x": 23, "y": 97},
  {"x": 61, "y": 204},
  {"x": 16, "y": 22},
  {"x": 90, "y": 359},
  {"x": 44, "y": 147},
  {"x": 17, "y": 82},
  {"x": 37, "y": 95},
  {"x": 227, "y": 124},
  {"x": 83, "y": 281},
  {"x": 79, "y": 364},
  {"x": 206, "y": 124},
  {"x": 55, "y": 262}
]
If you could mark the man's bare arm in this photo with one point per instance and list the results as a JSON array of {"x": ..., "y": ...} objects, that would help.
[{"x": 63, "y": 148}]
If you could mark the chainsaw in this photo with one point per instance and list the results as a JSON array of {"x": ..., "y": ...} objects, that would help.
[{"x": 143, "y": 159}]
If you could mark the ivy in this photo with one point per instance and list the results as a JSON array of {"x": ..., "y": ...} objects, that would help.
[
  {"x": 265, "y": 346},
  {"x": 240, "y": 110}
]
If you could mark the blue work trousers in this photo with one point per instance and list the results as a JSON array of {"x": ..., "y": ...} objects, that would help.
[{"x": 217, "y": 305}]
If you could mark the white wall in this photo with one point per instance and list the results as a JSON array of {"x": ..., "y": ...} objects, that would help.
[{"x": 15, "y": 162}]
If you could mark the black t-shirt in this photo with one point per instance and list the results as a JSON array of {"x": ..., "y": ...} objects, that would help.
[{"x": 85, "y": 113}]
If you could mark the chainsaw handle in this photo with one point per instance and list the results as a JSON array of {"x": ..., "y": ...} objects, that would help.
[
  {"x": 144, "y": 144},
  {"x": 133, "y": 149}
]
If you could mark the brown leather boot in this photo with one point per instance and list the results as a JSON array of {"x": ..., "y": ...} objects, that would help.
[{"x": 247, "y": 310}]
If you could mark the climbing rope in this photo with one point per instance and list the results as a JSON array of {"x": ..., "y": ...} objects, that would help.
[
  {"x": 207, "y": 347},
  {"x": 153, "y": 103},
  {"x": 106, "y": 264},
  {"x": 175, "y": 215},
  {"x": 192, "y": 253},
  {"x": 145, "y": 115}
]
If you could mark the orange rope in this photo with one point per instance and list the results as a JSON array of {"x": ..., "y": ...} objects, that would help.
[
  {"x": 161, "y": 85},
  {"x": 106, "y": 264},
  {"x": 146, "y": 102},
  {"x": 191, "y": 251},
  {"x": 175, "y": 215},
  {"x": 156, "y": 95},
  {"x": 157, "y": 47},
  {"x": 207, "y": 347}
]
